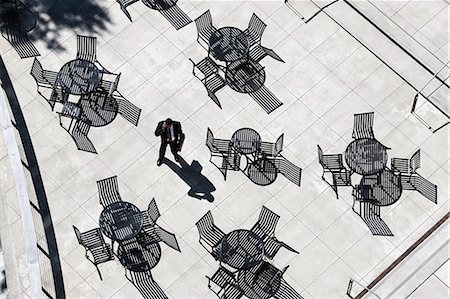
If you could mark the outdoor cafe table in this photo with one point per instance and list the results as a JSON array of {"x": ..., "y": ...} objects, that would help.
[
  {"x": 241, "y": 249},
  {"x": 385, "y": 186},
  {"x": 79, "y": 77},
  {"x": 366, "y": 156},
  {"x": 262, "y": 171},
  {"x": 246, "y": 141},
  {"x": 245, "y": 77},
  {"x": 137, "y": 256},
  {"x": 120, "y": 221},
  {"x": 228, "y": 44},
  {"x": 262, "y": 283}
]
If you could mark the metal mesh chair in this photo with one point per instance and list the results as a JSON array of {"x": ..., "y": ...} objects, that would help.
[
  {"x": 87, "y": 48},
  {"x": 128, "y": 110},
  {"x": 224, "y": 285},
  {"x": 210, "y": 234},
  {"x": 220, "y": 148},
  {"x": 108, "y": 191},
  {"x": 363, "y": 125},
  {"x": 266, "y": 224},
  {"x": 97, "y": 251},
  {"x": 341, "y": 179},
  {"x": 110, "y": 86},
  {"x": 255, "y": 30},
  {"x": 79, "y": 130},
  {"x": 211, "y": 78},
  {"x": 272, "y": 149},
  {"x": 123, "y": 6},
  {"x": 330, "y": 162},
  {"x": 43, "y": 78},
  {"x": 406, "y": 166},
  {"x": 151, "y": 215},
  {"x": 205, "y": 28},
  {"x": 272, "y": 245},
  {"x": 258, "y": 53},
  {"x": 161, "y": 235}
]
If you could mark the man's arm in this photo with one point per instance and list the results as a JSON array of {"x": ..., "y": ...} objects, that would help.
[{"x": 159, "y": 129}]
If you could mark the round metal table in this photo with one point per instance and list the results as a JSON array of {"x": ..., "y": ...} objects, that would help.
[
  {"x": 386, "y": 187},
  {"x": 79, "y": 77},
  {"x": 99, "y": 108},
  {"x": 262, "y": 172},
  {"x": 245, "y": 77},
  {"x": 160, "y": 4},
  {"x": 366, "y": 156},
  {"x": 228, "y": 44},
  {"x": 139, "y": 257},
  {"x": 262, "y": 283},
  {"x": 241, "y": 249},
  {"x": 246, "y": 141},
  {"x": 120, "y": 221}
]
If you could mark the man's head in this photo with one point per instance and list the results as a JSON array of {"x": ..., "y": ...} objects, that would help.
[{"x": 169, "y": 122}]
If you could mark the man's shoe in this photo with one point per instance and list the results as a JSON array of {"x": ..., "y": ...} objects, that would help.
[{"x": 159, "y": 162}]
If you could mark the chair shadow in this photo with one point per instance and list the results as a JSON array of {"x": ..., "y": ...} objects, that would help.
[{"x": 201, "y": 187}]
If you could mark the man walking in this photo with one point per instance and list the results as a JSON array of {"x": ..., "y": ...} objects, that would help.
[{"x": 171, "y": 134}]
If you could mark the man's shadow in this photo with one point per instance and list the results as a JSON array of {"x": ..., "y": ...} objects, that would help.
[{"x": 201, "y": 187}]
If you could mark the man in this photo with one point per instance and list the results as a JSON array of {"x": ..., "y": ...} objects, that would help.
[{"x": 171, "y": 134}]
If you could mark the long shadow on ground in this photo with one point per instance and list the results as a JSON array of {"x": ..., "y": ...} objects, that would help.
[{"x": 201, "y": 187}]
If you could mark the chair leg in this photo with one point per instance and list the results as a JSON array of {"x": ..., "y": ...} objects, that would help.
[{"x": 99, "y": 273}]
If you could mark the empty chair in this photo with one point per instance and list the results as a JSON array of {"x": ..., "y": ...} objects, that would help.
[
  {"x": 123, "y": 6},
  {"x": 97, "y": 251},
  {"x": 220, "y": 148},
  {"x": 363, "y": 193},
  {"x": 161, "y": 235},
  {"x": 330, "y": 162},
  {"x": 289, "y": 170},
  {"x": 210, "y": 234},
  {"x": 150, "y": 216},
  {"x": 406, "y": 166},
  {"x": 211, "y": 78},
  {"x": 370, "y": 213},
  {"x": 224, "y": 285},
  {"x": 418, "y": 183},
  {"x": 255, "y": 30},
  {"x": 205, "y": 28},
  {"x": 258, "y": 53},
  {"x": 108, "y": 191},
  {"x": 68, "y": 109},
  {"x": 363, "y": 125},
  {"x": 145, "y": 284},
  {"x": 21, "y": 43},
  {"x": 58, "y": 96},
  {"x": 110, "y": 86},
  {"x": 266, "y": 224},
  {"x": 43, "y": 78},
  {"x": 272, "y": 246},
  {"x": 87, "y": 48},
  {"x": 177, "y": 17},
  {"x": 266, "y": 99},
  {"x": 128, "y": 110},
  {"x": 272, "y": 149},
  {"x": 342, "y": 178}
]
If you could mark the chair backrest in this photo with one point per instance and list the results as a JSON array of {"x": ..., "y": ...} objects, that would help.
[
  {"x": 208, "y": 232},
  {"x": 320, "y": 153},
  {"x": 205, "y": 223},
  {"x": 363, "y": 125},
  {"x": 153, "y": 211},
  {"x": 255, "y": 29},
  {"x": 108, "y": 191},
  {"x": 78, "y": 234},
  {"x": 37, "y": 72},
  {"x": 204, "y": 24},
  {"x": 267, "y": 221},
  {"x": 207, "y": 67},
  {"x": 168, "y": 238},
  {"x": 424, "y": 187},
  {"x": 278, "y": 145},
  {"x": 210, "y": 139},
  {"x": 87, "y": 48},
  {"x": 414, "y": 162}
]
